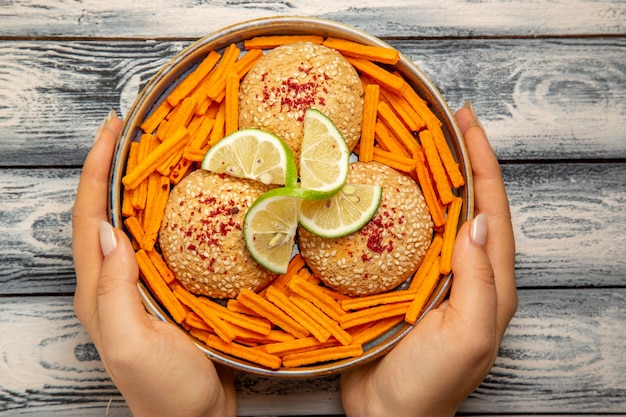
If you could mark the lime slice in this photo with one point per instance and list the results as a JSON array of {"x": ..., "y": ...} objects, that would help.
[
  {"x": 269, "y": 228},
  {"x": 254, "y": 154},
  {"x": 324, "y": 156},
  {"x": 343, "y": 213}
]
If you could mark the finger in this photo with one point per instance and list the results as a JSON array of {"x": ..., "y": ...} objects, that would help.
[
  {"x": 121, "y": 314},
  {"x": 491, "y": 198},
  {"x": 473, "y": 293},
  {"x": 89, "y": 209}
]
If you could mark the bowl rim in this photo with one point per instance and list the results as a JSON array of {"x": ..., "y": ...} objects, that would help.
[{"x": 183, "y": 62}]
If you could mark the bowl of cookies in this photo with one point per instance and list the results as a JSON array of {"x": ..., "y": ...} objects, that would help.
[{"x": 293, "y": 188}]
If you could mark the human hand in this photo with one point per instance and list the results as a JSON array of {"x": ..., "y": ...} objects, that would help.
[
  {"x": 158, "y": 370},
  {"x": 450, "y": 351}
]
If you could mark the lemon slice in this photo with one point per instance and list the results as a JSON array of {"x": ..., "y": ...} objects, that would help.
[
  {"x": 324, "y": 155},
  {"x": 254, "y": 154},
  {"x": 269, "y": 228},
  {"x": 343, "y": 213}
]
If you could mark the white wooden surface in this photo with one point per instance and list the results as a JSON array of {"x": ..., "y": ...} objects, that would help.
[{"x": 548, "y": 78}]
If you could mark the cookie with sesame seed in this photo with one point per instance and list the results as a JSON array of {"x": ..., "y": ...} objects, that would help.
[
  {"x": 201, "y": 236},
  {"x": 288, "y": 80},
  {"x": 387, "y": 250}
]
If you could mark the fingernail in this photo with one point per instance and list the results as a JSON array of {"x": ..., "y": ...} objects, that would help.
[
  {"x": 478, "y": 230},
  {"x": 108, "y": 241},
  {"x": 474, "y": 122},
  {"x": 105, "y": 123}
]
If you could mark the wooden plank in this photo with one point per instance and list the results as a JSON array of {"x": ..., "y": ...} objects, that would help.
[
  {"x": 162, "y": 18},
  {"x": 538, "y": 99},
  {"x": 563, "y": 353},
  {"x": 35, "y": 225},
  {"x": 568, "y": 218},
  {"x": 569, "y": 223},
  {"x": 56, "y": 94}
]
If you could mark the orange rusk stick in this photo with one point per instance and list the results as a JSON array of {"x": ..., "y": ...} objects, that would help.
[
  {"x": 373, "y": 314},
  {"x": 379, "y": 75},
  {"x": 218, "y": 84},
  {"x": 358, "y": 50},
  {"x": 219, "y": 326},
  {"x": 404, "y": 110},
  {"x": 394, "y": 160},
  {"x": 179, "y": 171},
  {"x": 272, "y": 41},
  {"x": 274, "y": 336},
  {"x": 162, "y": 152},
  {"x": 194, "y": 155},
  {"x": 184, "y": 113},
  {"x": 246, "y": 62},
  {"x": 278, "y": 298},
  {"x": 168, "y": 165},
  {"x": 154, "y": 213},
  {"x": 387, "y": 140},
  {"x": 127, "y": 204},
  {"x": 434, "y": 125},
  {"x": 452, "y": 168},
  {"x": 161, "y": 266},
  {"x": 282, "y": 348},
  {"x": 234, "y": 305},
  {"x": 428, "y": 190},
  {"x": 217, "y": 132},
  {"x": 159, "y": 288},
  {"x": 380, "y": 327},
  {"x": 268, "y": 310},
  {"x": 322, "y": 355},
  {"x": 318, "y": 297},
  {"x": 194, "y": 320},
  {"x": 434, "y": 250},
  {"x": 242, "y": 352},
  {"x": 424, "y": 291},
  {"x": 318, "y": 315},
  {"x": 192, "y": 80},
  {"x": 147, "y": 143},
  {"x": 397, "y": 127},
  {"x": 150, "y": 124},
  {"x": 359, "y": 303},
  {"x": 134, "y": 228},
  {"x": 199, "y": 93},
  {"x": 152, "y": 184},
  {"x": 449, "y": 233},
  {"x": 368, "y": 125},
  {"x": 232, "y": 103},
  {"x": 200, "y": 137},
  {"x": 436, "y": 167},
  {"x": 257, "y": 325},
  {"x": 296, "y": 264}
]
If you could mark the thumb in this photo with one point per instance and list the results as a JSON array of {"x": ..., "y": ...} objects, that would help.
[
  {"x": 473, "y": 292},
  {"x": 121, "y": 311}
]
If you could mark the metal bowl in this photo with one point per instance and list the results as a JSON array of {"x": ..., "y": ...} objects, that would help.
[{"x": 167, "y": 78}]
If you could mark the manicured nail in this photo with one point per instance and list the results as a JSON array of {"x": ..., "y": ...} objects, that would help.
[
  {"x": 474, "y": 122},
  {"x": 478, "y": 230},
  {"x": 108, "y": 241},
  {"x": 105, "y": 123}
]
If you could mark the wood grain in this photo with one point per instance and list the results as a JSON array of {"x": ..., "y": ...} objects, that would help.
[
  {"x": 566, "y": 341},
  {"x": 562, "y": 213},
  {"x": 538, "y": 99},
  {"x": 162, "y": 18},
  {"x": 35, "y": 225}
]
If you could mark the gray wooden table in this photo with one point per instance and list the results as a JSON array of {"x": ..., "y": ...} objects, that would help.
[{"x": 548, "y": 78}]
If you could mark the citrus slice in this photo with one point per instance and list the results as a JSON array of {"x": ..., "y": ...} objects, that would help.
[
  {"x": 324, "y": 155},
  {"x": 254, "y": 154},
  {"x": 269, "y": 228},
  {"x": 343, "y": 213}
]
